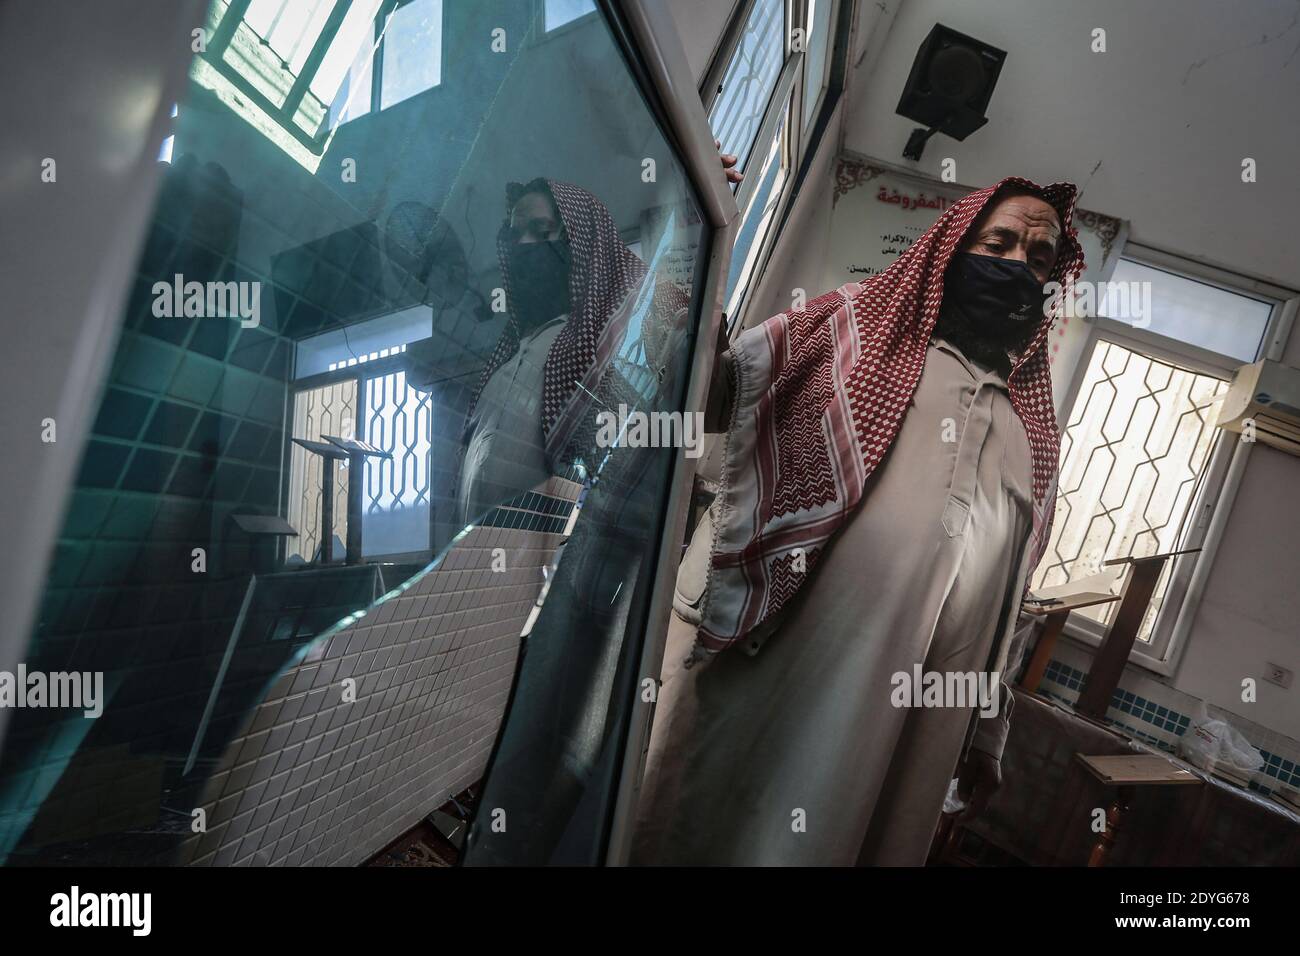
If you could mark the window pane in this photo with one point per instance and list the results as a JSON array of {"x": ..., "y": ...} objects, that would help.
[
  {"x": 754, "y": 227},
  {"x": 412, "y": 51},
  {"x": 251, "y": 56},
  {"x": 398, "y": 490},
  {"x": 355, "y": 35},
  {"x": 560, "y": 12},
  {"x": 1138, "y": 439},
  {"x": 393, "y": 297},
  {"x": 317, "y": 412},
  {"x": 288, "y": 27},
  {"x": 818, "y": 45},
  {"x": 750, "y": 79},
  {"x": 259, "y": 73},
  {"x": 355, "y": 90},
  {"x": 1198, "y": 313}
]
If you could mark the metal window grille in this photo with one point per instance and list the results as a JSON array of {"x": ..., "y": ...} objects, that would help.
[{"x": 1137, "y": 442}]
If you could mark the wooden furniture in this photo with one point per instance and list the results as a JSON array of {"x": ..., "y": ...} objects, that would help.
[
  {"x": 1127, "y": 772},
  {"x": 329, "y": 454},
  {"x": 1055, "y": 605},
  {"x": 357, "y": 452},
  {"x": 1112, "y": 656},
  {"x": 258, "y": 540},
  {"x": 1042, "y": 813}
]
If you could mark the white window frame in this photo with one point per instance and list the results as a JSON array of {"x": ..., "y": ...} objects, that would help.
[
  {"x": 785, "y": 93},
  {"x": 788, "y": 90},
  {"x": 1224, "y": 465},
  {"x": 823, "y": 81}
]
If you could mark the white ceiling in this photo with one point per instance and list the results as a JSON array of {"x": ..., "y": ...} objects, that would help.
[{"x": 1185, "y": 91}]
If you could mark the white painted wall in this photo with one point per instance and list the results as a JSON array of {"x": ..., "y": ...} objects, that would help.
[
  {"x": 1250, "y": 612},
  {"x": 1186, "y": 89}
]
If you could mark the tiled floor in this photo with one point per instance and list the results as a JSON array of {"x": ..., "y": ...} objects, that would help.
[{"x": 320, "y": 777}]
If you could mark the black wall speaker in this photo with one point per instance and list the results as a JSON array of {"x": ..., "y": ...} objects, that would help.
[{"x": 949, "y": 87}]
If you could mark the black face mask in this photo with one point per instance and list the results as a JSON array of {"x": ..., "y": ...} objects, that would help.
[
  {"x": 1003, "y": 294},
  {"x": 539, "y": 282},
  {"x": 991, "y": 306}
]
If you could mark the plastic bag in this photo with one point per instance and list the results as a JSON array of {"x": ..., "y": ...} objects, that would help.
[{"x": 1210, "y": 742}]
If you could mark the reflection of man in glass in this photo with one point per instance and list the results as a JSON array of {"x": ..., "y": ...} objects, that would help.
[{"x": 575, "y": 294}]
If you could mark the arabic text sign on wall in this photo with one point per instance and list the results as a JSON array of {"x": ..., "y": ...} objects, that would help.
[{"x": 873, "y": 226}]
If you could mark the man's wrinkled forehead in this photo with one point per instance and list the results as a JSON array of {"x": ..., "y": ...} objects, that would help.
[
  {"x": 1018, "y": 208},
  {"x": 1018, "y": 221}
]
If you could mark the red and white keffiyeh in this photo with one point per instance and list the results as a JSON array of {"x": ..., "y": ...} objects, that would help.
[{"x": 824, "y": 390}]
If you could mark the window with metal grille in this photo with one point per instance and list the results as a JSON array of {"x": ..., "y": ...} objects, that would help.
[
  {"x": 771, "y": 82},
  {"x": 1133, "y": 452},
  {"x": 296, "y": 70},
  {"x": 1142, "y": 465},
  {"x": 750, "y": 80},
  {"x": 363, "y": 394}
]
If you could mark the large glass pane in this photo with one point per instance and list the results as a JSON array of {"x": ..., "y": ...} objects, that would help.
[
  {"x": 351, "y": 456},
  {"x": 749, "y": 80},
  {"x": 1197, "y": 313}
]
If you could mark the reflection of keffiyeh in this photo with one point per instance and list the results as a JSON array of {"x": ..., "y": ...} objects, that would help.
[
  {"x": 820, "y": 395},
  {"x": 604, "y": 277}
]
